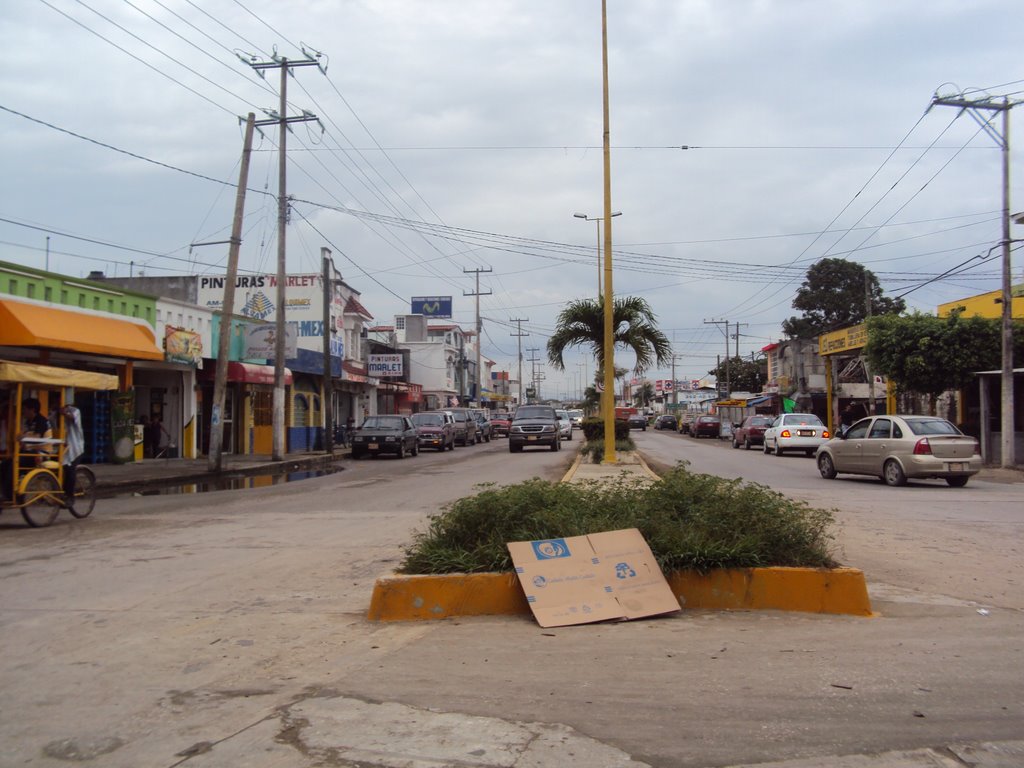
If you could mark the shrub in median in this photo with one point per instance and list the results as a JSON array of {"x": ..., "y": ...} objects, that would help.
[{"x": 689, "y": 520}]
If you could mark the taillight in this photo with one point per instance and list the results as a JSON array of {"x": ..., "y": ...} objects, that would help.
[
  {"x": 923, "y": 447},
  {"x": 785, "y": 433},
  {"x": 825, "y": 434}
]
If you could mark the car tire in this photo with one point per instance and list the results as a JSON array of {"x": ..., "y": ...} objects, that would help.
[
  {"x": 415, "y": 449},
  {"x": 893, "y": 474},
  {"x": 746, "y": 443},
  {"x": 957, "y": 482},
  {"x": 778, "y": 448},
  {"x": 735, "y": 443},
  {"x": 826, "y": 467},
  {"x": 764, "y": 447},
  {"x": 401, "y": 450}
]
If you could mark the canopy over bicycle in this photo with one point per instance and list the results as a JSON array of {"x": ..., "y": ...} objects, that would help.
[{"x": 33, "y": 467}]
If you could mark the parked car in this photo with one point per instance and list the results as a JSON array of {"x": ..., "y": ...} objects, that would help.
[
  {"x": 637, "y": 421},
  {"x": 534, "y": 425},
  {"x": 751, "y": 431},
  {"x": 897, "y": 447},
  {"x": 436, "y": 429},
  {"x": 795, "y": 432},
  {"x": 686, "y": 422},
  {"x": 483, "y": 425},
  {"x": 385, "y": 434},
  {"x": 465, "y": 426},
  {"x": 500, "y": 424},
  {"x": 665, "y": 421},
  {"x": 564, "y": 424},
  {"x": 706, "y": 426}
]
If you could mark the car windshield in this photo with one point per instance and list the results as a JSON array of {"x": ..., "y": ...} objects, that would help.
[
  {"x": 801, "y": 418},
  {"x": 932, "y": 427},
  {"x": 383, "y": 422},
  {"x": 534, "y": 412},
  {"x": 428, "y": 420},
  {"x": 563, "y": 415}
]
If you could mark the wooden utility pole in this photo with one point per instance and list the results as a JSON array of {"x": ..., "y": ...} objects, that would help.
[
  {"x": 328, "y": 297},
  {"x": 227, "y": 307}
]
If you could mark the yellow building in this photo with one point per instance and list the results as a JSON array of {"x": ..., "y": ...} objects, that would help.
[{"x": 986, "y": 304}]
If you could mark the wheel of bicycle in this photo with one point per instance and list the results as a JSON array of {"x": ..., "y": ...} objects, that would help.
[
  {"x": 39, "y": 499},
  {"x": 85, "y": 492}
]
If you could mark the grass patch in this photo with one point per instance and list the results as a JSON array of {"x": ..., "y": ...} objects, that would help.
[{"x": 689, "y": 521}]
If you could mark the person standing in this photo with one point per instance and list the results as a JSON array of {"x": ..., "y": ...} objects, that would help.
[{"x": 74, "y": 447}]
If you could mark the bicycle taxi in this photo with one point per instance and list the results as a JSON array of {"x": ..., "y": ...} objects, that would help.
[{"x": 33, "y": 466}]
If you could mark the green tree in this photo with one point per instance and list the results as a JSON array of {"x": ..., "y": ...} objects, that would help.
[
  {"x": 634, "y": 326},
  {"x": 832, "y": 296},
  {"x": 744, "y": 375},
  {"x": 644, "y": 395},
  {"x": 929, "y": 355}
]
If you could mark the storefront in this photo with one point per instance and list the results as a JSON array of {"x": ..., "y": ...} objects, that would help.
[{"x": 248, "y": 407}]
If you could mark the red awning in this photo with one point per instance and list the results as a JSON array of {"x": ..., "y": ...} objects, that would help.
[{"x": 247, "y": 373}]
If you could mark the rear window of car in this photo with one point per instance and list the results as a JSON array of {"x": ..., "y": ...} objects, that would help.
[
  {"x": 932, "y": 427},
  {"x": 801, "y": 418},
  {"x": 760, "y": 421}
]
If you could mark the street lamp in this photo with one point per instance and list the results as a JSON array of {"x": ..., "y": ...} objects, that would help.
[{"x": 597, "y": 220}]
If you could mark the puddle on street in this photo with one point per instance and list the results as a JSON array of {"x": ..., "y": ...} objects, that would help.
[{"x": 234, "y": 483}]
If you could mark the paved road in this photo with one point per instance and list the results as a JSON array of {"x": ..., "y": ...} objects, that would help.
[{"x": 228, "y": 629}]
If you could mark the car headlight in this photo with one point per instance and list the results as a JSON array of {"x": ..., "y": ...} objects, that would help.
[
  {"x": 390, "y": 439},
  {"x": 548, "y": 429},
  {"x": 517, "y": 430}
]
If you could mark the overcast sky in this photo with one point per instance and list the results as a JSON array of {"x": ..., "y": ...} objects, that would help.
[{"x": 464, "y": 134}]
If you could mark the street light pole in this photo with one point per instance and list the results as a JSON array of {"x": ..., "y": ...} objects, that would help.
[{"x": 597, "y": 220}]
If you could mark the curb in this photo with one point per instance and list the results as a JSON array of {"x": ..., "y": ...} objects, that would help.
[{"x": 840, "y": 591}]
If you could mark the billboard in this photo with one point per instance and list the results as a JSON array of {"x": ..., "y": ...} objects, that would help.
[{"x": 432, "y": 306}]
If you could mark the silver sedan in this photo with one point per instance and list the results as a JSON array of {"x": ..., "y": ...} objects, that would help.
[{"x": 895, "y": 448}]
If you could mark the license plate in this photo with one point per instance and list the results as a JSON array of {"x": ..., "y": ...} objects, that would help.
[
  {"x": 806, "y": 432},
  {"x": 532, "y": 437},
  {"x": 373, "y": 446},
  {"x": 957, "y": 467}
]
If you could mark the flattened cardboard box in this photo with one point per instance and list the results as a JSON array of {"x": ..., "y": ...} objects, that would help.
[{"x": 581, "y": 579}]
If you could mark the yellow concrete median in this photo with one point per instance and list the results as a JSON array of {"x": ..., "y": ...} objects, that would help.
[{"x": 811, "y": 590}]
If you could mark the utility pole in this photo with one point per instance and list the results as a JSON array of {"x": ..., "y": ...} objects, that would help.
[
  {"x": 867, "y": 369},
  {"x": 973, "y": 107},
  {"x": 728, "y": 388},
  {"x": 736, "y": 335},
  {"x": 227, "y": 307},
  {"x": 281, "y": 119},
  {"x": 328, "y": 300},
  {"x": 479, "y": 329},
  {"x": 519, "y": 334},
  {"x": 534, "y": 378}
]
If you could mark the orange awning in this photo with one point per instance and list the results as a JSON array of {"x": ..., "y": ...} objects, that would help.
[{"x": 25, "y": 324}]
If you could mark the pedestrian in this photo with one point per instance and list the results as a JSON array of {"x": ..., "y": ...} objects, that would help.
[
  {"x": 847, "y": 417},
  {"x": 74, "y": 447},
  {"x": 35, "y": 426},
  {"x": 154, "y": 436}
]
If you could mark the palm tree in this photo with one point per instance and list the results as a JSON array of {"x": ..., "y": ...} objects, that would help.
[
  {"x": 644, "y": 395},
  {"x": 581, "y": 323}
]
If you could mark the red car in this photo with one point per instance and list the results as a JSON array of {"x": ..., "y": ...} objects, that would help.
[
  {"x": 751, "y": 431},
  {"x": 500, "y": 424},
  {"x": 706, "y": 426}
]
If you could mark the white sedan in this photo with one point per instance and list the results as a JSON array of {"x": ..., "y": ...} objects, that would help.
[{"x": 795, "y": 432}]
